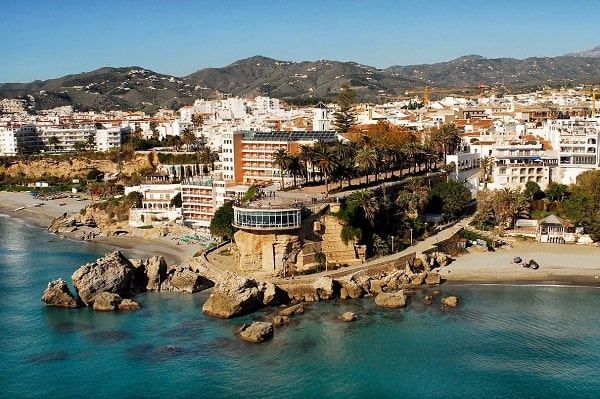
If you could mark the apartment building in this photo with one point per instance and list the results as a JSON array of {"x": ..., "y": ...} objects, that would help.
[{"x": 518, "y": 161}]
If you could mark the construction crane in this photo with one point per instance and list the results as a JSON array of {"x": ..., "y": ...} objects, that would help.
[
  {"x": 593, "y": 91},
  {"x": 427, "y": 91}
]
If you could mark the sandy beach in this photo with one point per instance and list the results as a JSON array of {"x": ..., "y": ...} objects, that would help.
[
  {"x": 558, "y": 264},
  {"x": 141, "y": 244}
]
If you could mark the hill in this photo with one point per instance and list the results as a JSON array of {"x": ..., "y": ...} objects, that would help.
[{"x": 136, "y": 88}]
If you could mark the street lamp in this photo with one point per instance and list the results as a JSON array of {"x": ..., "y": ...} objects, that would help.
[
  {"x": 284, "y": 259},
  {"x": 410, "y": 236},
  {"x": 392, "y": 244}
]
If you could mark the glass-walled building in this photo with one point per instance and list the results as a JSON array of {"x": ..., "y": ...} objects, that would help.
[{"x": 265, "y": 219}]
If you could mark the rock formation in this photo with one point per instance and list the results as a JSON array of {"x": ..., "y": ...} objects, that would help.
[
  {"x": 111, "y": 273},
  {"x": 107, "y": 301},
  {"x": 391, "y": 299},
  {"x": 347, "y": 316},
  {"x": 257, "y": 332},
  {"x": 58, "y": 294},
  {"x": 449, "y": 302},
  {"x": 184, "y": 279},
  {"x": 234, "y": 295},
  {"x": 155, "y": 269}
]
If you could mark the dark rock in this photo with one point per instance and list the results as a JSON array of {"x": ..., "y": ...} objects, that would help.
[{"x": 58, "y": 294}]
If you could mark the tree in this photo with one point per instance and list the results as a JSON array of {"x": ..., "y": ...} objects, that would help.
[
  {"x": 306, "y": 154},
  {"x": 221, "y": 224},
  {"x": 281, "y": 160},
  {"x": 53, "y": 141},
  {"x": 345, "y": 116},
  {"x": 197, "y": 121},
  {"x": 486, "y": 166},
  {"x": 557, "y": 191},
  {"x": 176, "y": 201},
  {"x": 208, "y": 156},
  {"x": 295, "y": 167},
  {"x": 325, "y": 161},
  {"x": 365, "y": 201},
  {"x": 188, "y": 137},
  {"x": 366, "y": 160},
  {"x": 448, "y": 169},
  {"x": 449, "y": 198},
  {"x": 446, "y": 139}
]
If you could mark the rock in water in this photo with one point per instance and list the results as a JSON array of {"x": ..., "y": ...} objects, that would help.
[
  {"x": 107, "y": 301},
  {"x": 233, "y": 295},
  {"x": 58, "y": 294},
  {"x": 391, "y": 299},
  {"x": 111, "y": 273},
  {"x": 449, "y": 302},
  {"x": 347, "y": 316},
  {"x": 257, "y": 332},
  {"x": 184, "y": 279},
  {"x": 324, "y": 288}
]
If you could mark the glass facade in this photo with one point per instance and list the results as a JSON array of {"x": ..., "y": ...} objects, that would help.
[{"x": 251, "y": 218}]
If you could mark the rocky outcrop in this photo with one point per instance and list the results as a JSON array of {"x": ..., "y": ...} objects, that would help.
[
  {"x": 391, "y": 299},
  {"x": 129, "y": 304},
  {"x": 257, "y": 332},
  {"x": 449, "y": 302},
  {"x": 155, "y": 270},
  {"x": 433, "y": 278},
  {"x": 107, "y": 301},
  {"x": 58, "y": 294},
  {"x": 62, "y": 224},
  {"x": 347, "y": 316},
  {"x": 111, "y": 273},
  {"x": 279, "y": 320},
  {"x": 350, "y": 288},
  {"x": 184, "y": 279},
  {"x": 324, "y": 288},
  {"x": 234, "y": 295},
  {"x": 292, "y": 310}
]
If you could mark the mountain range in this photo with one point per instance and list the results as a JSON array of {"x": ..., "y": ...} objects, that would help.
[{"x": 307, "y": 82}]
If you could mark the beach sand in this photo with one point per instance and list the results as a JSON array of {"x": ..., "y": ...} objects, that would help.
[
  {"x": 558, "y": 264},
  {"x": 141, "y": 244}
]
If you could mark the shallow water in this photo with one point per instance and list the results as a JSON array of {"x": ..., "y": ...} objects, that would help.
[{"x": 503, "y": 341}]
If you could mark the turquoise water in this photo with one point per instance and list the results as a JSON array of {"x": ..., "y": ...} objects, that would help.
[{"x": 502, "y": 342}]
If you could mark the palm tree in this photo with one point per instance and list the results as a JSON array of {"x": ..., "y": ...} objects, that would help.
[
  {"x": 366, "y": 160},
  {"x": 486, "y": 167},
  {"x": 295, "y": 167},
  {"x": 188, "y": 137},
  {"x": 208, "y": 156},
  {"x": 365, "y": 200},
  {"x": 448, "y": 169},
  {"x": 446, "y": 138},
  {"x": 306, "y": 154},
  {"x": 281, "y": 160},
  {"x": 53, "y": 142},
  {"x": 325, "y": 161}
]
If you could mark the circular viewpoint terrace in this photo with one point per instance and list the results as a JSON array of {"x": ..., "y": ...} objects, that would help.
[{"x": 269, "y": 218}]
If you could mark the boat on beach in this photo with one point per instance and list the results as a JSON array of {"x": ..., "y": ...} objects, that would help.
[{"x": 19, "y": 208}]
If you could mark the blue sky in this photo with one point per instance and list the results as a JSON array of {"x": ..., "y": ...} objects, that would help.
[{"x": 47, "y": 39}]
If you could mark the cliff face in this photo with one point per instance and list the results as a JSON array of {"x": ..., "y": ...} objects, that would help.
[{"x": 74, "y": 167}]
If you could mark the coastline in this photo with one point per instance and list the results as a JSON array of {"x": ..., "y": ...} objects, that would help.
[
  {"x": 141, "y": 244},
  {"x": 560, "y": 264}
]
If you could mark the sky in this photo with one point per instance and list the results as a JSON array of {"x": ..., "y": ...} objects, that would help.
[{"x": 45, "y": 39}]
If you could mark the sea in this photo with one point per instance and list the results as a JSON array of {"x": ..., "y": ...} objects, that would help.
[{"x": 503, "y": 341}]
